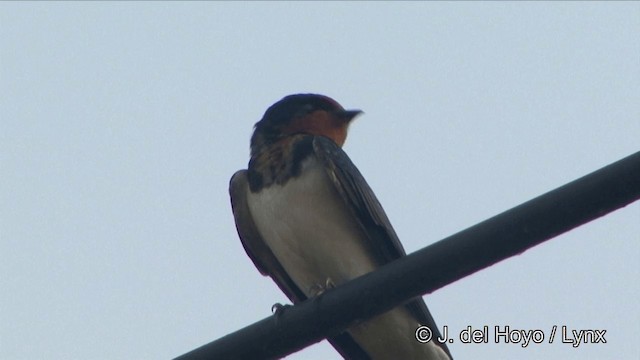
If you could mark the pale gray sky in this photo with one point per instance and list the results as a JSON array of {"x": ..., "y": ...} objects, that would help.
[{"x": 121, "y": 124}]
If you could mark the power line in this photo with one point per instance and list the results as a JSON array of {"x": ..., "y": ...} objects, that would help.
[{"x": 424, "y": 271}]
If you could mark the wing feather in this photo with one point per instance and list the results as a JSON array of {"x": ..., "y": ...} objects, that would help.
[{"x": 366, "y": 208}]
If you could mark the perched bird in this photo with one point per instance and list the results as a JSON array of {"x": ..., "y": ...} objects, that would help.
[{"x": 309, "y": 220}]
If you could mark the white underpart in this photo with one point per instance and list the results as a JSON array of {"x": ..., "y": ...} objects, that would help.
[
  {"x": 309, "y": 230},
  {"x": 315, "y": 237}
]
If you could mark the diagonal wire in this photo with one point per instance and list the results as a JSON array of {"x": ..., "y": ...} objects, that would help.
[{"x": 424, "y": 271}]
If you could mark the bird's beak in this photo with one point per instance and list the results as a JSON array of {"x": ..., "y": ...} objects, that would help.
[{"x": 349, "y": 115}]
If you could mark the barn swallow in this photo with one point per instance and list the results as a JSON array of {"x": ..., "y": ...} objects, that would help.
[{"x": 309, "y": 220}]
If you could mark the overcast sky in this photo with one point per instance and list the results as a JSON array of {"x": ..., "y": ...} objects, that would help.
[{"x": 121, "y": 124}]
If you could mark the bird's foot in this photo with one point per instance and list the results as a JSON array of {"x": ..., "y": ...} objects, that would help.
[
  {"x": 278, "y": 308},
  {"x": 317, "y": 289}
]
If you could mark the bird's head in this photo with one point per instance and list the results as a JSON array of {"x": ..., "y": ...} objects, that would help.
[{"x": 302, "y": 114}]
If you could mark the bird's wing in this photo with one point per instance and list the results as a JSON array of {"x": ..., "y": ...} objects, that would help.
[
  {"x": 268, "y": 265},
  {"x": 366, "y": 208},
  {"x": 252, "y": 241}
]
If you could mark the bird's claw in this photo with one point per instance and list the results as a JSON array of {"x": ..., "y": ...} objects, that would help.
[
  {"x": 278, "y": 308},
  {"x": 317, "y": 289}
]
